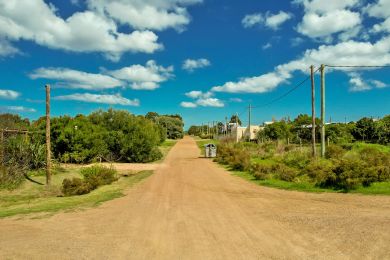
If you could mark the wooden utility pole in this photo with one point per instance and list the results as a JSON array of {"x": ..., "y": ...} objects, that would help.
[
  {"x": 249, "y": 120},
  {"x": 313, "y": 113},
  {"x": 323, "y": 110},
  {"x": 48, "y": 149},
  {"x": 226, "y": 126},
  {"x": 2, "y": 147}
]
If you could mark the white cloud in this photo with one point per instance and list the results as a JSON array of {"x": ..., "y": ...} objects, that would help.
[
  {"x": 251, "y": 20},
  {"x": 261, "y": 84},
  {"x": 6, "y": 49},
  {"x": 210, "y": 102},
  {"x": 188, "y": 104},
  {"x": 144, "y": 77},
  {"x": 266, "y": 46},
  {"x": 297, "y": 41},
  {"x": 17, "y": 109},
  {"x": 276, "y": 20},
  {"x": 321, "y": 7},
  {"x": 202, "y": 99},
  {"x": 314, "y": 25},
  {"x": 148, "y": 77},
  {"x": 9, "y": 94},
  {"x": 191, "y": 65},
  {"x": 358, "y": 84},
  {"x": 146, "y": 14},
  {"x": 101, "y": 99},
  {"x": 272, "y": 21},
  {"x": 86, "y": 31},
  {"x": 77, "y": 79},
  {"x": 236, "y": 100},
  {"x": 345, "y": 53},
  {"x": 322, "y": 19},
  {"x": 380, "y": 9},
  {"x": 198, "y": 94}
]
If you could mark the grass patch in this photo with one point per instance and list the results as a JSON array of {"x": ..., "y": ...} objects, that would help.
[
  {"x": 32, "y": 198},
  {"x": 285, "y": 185},
  {"x": 165, "y": 147}
]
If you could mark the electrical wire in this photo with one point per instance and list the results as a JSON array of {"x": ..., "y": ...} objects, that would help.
[
  {"x": 288, "y": 92},
  {"x": 357, "y": 66}
]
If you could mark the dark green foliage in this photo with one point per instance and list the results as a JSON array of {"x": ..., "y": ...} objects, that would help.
[
  {"x": 277, "y": 131},
  {"x": 12, "y": 121},
  {"x": 75, "y": 186},
  {"x": 334, "y": 152},
  {"x": 94, "y": 177},
  {"x": 98, "y": 175},
  {"x": 261, "y": 171},
  {"x": 319, "y": 170},
  {"x": 111, "y": 135},
  {"x": 284, "y": 172},
  {"x": 236, "y": 157},
  {"x": 296, "y": 159},
  {"x": 171, "y": 126}
]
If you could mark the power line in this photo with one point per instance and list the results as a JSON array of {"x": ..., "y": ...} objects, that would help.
[
  {"x": 287, "y": 93},
  {"x": 357, "y": 66}
]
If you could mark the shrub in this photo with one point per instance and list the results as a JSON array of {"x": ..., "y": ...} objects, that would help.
[
  {"x": 284, "y": 172},
  {"x": 240, "y": 160},
  {"x": 335, "y": 152},
  {"x": 296, "y": 159},
  {"x": 374, "y": 157},
  {"x": 319, "y": 170},
  {"x": 260, "y": 171},
  {"x": 75, "y": 186},
  {"x": 98, "y": 175}
]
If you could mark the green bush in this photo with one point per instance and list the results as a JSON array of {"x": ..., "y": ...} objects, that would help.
[
  {"x": 374, "y": 156},
  {"x": 94, "y": 177},
  {"x": 284, "y": 172},
  {"x": 296, "y": 159},
  {"x": 334, "y": 152},
  {"x": 319, "y": 170},
  {"x": 75, "y": 186},
  {"x": 98, "y": 175},
  {"x": 260, "y": 171}
]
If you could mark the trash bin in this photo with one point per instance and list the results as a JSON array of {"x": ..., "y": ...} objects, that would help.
[{"x": 210, "y": 150}]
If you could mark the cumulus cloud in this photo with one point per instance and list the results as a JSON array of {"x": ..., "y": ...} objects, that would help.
[
  {"x": 204, "y": 99},
  {"x": 266, "y": 46},
  {"x": 144, "y": 77},
  {"x": 87, "y": 31},
  {"x": 9, "y": 94},
  {"x": 138, "y": 77},
  {"x": 269, "y": 20},
  {"x": 146, "y": 14},
  {"x": 188, "y": 104},
  {"x": 380, "y": 9},
  {"x": 69, "y": 78},
  {"x": 191, "y": 65},
  {"x": 6, "y": 49},
  {"x": 322, "y": 19},
  {"x": 101, "y": 99},
  {"x": 345, "y": 53},
  {"x": 17, "y": 109},
  {"x": 358, "y": 84}
]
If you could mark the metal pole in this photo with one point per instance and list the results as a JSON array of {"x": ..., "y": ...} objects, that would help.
[
  {"x": 313, "y": 113},
  {"x": 323, "y": 110},
  {"x": 48, "y": 150}
]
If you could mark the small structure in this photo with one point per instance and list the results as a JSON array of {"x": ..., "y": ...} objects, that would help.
[{"x": 210, "y": 150}]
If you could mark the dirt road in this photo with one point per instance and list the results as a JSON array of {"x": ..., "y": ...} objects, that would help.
[{"x": 193, "y": 209}]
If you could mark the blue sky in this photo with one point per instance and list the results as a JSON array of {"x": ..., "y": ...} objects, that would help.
[{"x": 202, "y": 59}]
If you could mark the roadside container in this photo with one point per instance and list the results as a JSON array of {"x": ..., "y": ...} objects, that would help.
[{"x": 210, "y": 150}]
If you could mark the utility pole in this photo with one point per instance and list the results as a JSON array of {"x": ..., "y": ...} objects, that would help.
[
  {"x": 48, "y": 146},
  {"x": 249, "y": 120},
  {"x": 2, "y": 147},
  {"x": 323, "y": 110},
  {"x": 226, "y": 127},
  {"x": 313, "y": 112}
]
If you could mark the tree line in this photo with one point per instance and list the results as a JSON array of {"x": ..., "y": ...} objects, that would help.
[
  {"x": 112, "y": 135},
  {"x": 299, "y": 130}
]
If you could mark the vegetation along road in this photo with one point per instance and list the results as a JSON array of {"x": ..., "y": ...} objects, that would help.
[{"x": 191, "y": 208}]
